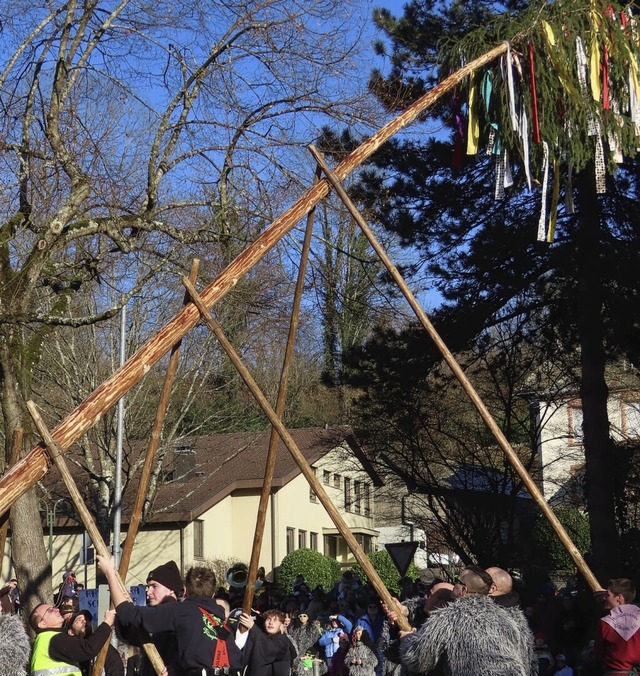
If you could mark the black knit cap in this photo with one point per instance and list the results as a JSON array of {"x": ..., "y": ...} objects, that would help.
[{"x": 167, "y": 575}]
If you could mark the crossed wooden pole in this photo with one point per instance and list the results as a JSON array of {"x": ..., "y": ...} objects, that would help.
[{"x": 30, "y": 469}]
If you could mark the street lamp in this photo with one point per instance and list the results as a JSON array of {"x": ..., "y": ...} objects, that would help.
[{"x": 50, "y": 511}]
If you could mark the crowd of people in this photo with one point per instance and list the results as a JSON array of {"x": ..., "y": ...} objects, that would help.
[{"x": 478, "y": 624}]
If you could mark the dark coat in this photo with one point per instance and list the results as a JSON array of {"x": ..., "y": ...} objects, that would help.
[{"x": 265, "y": 655}]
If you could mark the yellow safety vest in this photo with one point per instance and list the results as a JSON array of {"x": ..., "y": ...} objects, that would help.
[{"x": 43, "y": 665}]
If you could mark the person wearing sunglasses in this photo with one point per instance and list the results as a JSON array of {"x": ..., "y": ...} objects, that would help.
[
  {"x": 57, "y": 652},
  {"x": 471, "y": 635}
]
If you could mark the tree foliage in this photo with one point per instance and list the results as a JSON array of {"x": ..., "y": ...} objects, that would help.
[
  {"x": 316, "y": 568},
  {"x": 552, "y": 554},
  {"x": 386, "y": 569}
]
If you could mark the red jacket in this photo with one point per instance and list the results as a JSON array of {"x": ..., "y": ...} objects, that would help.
[{"x": 618, "y": 638}]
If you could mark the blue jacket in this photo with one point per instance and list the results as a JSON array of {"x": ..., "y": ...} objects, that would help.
[{"x": 326, "y": 640}]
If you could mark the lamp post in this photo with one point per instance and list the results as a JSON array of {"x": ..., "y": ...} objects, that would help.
[{"x": 50, "y": 511}]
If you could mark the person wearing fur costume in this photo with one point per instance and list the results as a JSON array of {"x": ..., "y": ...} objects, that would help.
[
  {"x": 15, "y": 648},
  {"x": 470, "y": 636},
  {"x": 361, "y": 659}
]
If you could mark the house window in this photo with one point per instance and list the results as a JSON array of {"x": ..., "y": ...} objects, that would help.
[
  {"x": 326, "y": 477},
  {"x": 364, "y": 541},
  {"x": 631, "y": 418},
  {"x": 198, "y": 539},
  {"x": 575, "y": 424},
  {"x": 357, "y": 486},
  {"x": 302, "y": 539},
  {"x": 347, "y": 494},
  {"x": 337, "y": 481},
  {"x": 331, "y": 546},
  {"x": 291, "y": 534},
  {"x": 366, "y": 495},
  {"x": 313, "y": 544}
]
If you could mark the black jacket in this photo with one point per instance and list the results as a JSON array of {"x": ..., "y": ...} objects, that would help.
[
  {"x": 265, "y": 655},
  {"x": 196, "y": 635}
]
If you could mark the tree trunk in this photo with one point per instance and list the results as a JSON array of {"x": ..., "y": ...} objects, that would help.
[
  {"x": 598, "y": 446},
  {"x": 28, "y": 554}
]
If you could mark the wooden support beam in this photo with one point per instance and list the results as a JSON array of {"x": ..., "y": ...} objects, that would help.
[
  {"x": 85, "y": 516},
  {"x": 34, "y": 466},
  {"x": 504, "y": 444},
  {"x": 274, "y": 439},
  {"x": 301, "y": 461}
]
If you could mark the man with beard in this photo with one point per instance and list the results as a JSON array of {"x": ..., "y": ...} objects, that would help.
[
  {"x": 80, "y": 627},
  {"x": 55, "y": 649}
]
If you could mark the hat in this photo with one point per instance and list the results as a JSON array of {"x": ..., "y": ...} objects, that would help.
[
  {"x": 560, "y": 656},
  {"x": 88, "y": 616},
  {"x": 168, "y": 576}
]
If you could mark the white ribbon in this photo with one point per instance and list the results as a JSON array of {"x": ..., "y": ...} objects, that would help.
[
  {"x": 545, "y": 184},
  {"x": 524, "y": 136},
  {"x": 511, "y": 89}
]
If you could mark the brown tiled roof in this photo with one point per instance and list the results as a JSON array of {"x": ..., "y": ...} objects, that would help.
[{"x": 212, "y": 467}]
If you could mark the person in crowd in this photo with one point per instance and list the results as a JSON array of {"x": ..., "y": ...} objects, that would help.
[
  {"x": 617, "y": 641},
  {"x": 330, "y": 639},
  {"x": 80, "y": 627},
  {"x": 15, "y": 647},
  {"x": 164, "y": 585},
  {"x": 502, "y": 588},
  {"x": 266, "y": 650},
  {"x": 55, "y": 650},
  {"x": 361, "y": 658},
  {"x": 303, "y": 633},
  {"x": 544, "y": 655},
  {"x": 562, "y": 668},
  {"x": 9, "y": 598},
  {"x": 374, "y": 621},
  {"x": 198, "y": 622},
  {"x": 471, "y": 635}
]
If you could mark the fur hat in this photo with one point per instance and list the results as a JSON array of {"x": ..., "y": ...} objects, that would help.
[{"x": 168, "y": 576}]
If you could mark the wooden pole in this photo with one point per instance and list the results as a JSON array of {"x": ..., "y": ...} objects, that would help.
[
  {"x": 462, "y": 378},
  {"x": 14, "y": 456},
  {"x": 85, "y": 516},
  {"x": 154, "y": 444},
  {"x": 274, "y": 439},
  {"x": 301, "y": 461},
  {"x": 34, "y": 466}
]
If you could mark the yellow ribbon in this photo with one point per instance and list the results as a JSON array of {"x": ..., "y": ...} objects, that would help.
[{"x": 473, "y": 125}]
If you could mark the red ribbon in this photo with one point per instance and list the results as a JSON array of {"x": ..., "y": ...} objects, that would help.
[{"x": 534, "y": 98}]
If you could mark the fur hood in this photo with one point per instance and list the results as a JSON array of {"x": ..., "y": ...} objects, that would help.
[
  {"x": 472, "y": 636},
  {"x": 15, "y": 648}
]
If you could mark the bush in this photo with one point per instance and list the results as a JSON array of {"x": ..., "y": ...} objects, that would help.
[
  {"x": 315, "y": 567},
  {"x": 552, "y": 553},
  {"x": 386, "y": 569}
]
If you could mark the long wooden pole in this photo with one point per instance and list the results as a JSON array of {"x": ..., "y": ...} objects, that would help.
[
  {"x": 154, "y": 444},
  {"x": 34, "y": 466},
  {"x": 85, "y": 516},
  {"x": 274, "y": 439},
  {"x": 301, "y": 461},
  {"x": 504, "y": 444}
]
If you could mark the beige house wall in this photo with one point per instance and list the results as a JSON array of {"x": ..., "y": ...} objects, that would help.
[{"x": 228, "y": 527}]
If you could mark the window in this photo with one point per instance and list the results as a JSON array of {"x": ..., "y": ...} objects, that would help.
[
  {"x": 366, "y": 489},
  {"x": 347, "y": 494},
  {"x": 198, "y": 539},
  {"x": 364, "y": 541},
  {"x": 302, "y": 539},
  {"x": 357, "y": 495},
  {"x": 326, "y": 477},
  {"x": 291, "y": 533},
  {"x": 631, "y": 418},
  {"x": 313, "y": 544},
  {"x": 336, "y": 481},
  {"x": 575, "y": 424},
  {"x": 331, "y": 546}
]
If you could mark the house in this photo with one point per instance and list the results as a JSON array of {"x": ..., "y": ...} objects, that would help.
[
  {"x": 560, "y": 440},
  {"x": 207, "y": 505}
]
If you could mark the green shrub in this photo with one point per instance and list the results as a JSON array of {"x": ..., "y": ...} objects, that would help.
[
  {"x": 552, "y": 553},
  {"x": 384, "y": 566},
  {"x": 315, "y": 567}
]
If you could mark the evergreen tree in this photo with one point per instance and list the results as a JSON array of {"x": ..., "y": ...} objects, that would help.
[{"x": 565, "y": 228}]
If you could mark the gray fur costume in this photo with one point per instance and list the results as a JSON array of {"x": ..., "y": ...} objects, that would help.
[
  {"x": 15, "y": 648},
  {"x": 474, "y": 637},
  {"x": 359, "y": 651}
]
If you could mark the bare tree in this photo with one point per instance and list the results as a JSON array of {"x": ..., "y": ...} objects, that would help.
[{"x": 132, "y": 135}]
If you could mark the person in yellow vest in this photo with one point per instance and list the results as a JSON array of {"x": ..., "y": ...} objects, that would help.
[{"x": 57, "y": 652}]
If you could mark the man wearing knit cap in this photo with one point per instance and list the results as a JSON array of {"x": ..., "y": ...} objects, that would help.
[{"x": 164, "y": 585}]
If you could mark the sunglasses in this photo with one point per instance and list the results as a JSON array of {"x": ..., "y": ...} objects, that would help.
[{"x": 303, "y": 615}]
